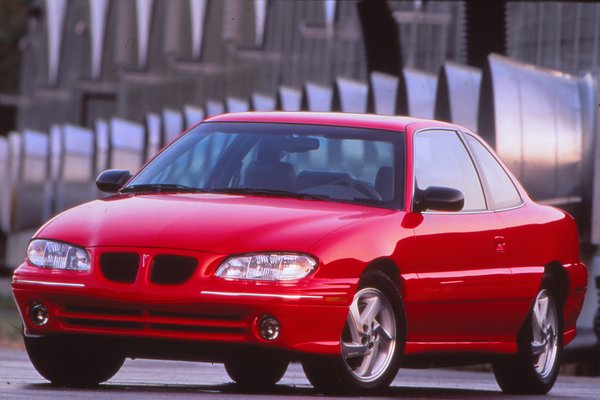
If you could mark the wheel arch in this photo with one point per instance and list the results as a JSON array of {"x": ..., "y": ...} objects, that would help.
[
  {"x": 388, "y": 267},
  {"x": 559, "y": 283}
]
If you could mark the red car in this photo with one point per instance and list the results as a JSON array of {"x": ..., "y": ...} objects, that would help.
[{"x": 354, "y": 244}]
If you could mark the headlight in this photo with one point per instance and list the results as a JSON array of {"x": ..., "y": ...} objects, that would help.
[
  {"x": 267, "y": 267},
  {"x": 49, "y": 254}
]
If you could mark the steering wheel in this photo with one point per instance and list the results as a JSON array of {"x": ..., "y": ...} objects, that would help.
[{"x": 359, "y": 187}]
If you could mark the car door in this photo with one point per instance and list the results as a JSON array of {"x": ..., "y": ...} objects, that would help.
[
  {"x": 523, "y": 248},
  {"x": 459, "y": 295}
]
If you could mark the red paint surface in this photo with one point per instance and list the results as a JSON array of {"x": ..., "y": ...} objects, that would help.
[{"x": 462, "y": 293}]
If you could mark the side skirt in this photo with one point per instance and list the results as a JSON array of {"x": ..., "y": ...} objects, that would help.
[{"x": 443, "y": 354}]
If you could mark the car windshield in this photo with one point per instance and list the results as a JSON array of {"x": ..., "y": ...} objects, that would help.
[{"x": 329, "y": 163}]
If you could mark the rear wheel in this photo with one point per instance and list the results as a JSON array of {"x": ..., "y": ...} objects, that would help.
[
  {"x": 260, "y": 371},
  {"x": 73, "y": 361},
  {"x": 535, "y": 368},
  {"x": 371, "y": 343}
]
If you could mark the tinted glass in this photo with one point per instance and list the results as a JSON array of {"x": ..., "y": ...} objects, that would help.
[
  {"x": 323, "y": 162},
  {"x": 441, "y": 159},
  {"x": 501, "y": 187}
]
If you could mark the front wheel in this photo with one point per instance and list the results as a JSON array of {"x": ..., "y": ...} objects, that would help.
[
  {"x": 256, "y": 371},
  {"x": 73, "y": 361},
  {"x": 535, "y": 368},
  {"x": 372, "y": 342}
]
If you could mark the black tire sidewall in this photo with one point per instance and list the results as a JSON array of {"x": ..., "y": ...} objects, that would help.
[
  {"x": 73, "y": 361},
  {"x": 256, "y": 370},
  {"x": 517, "y": 374}
]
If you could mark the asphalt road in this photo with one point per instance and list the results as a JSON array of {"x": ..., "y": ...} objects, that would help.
[{"x": 183, "y": 380}]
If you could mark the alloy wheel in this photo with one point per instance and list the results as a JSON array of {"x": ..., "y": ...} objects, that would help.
[
  {"x": 369, "y": 337},
  {"x": 544, "y": 342}
]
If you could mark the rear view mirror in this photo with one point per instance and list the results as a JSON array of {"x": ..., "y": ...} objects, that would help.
[
  {"x": 110, "y": 181},
  {"x": 299, "y": 144},
  {"x": 437, "y": 198}
]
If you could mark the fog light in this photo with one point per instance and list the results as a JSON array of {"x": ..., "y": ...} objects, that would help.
[
  {"x": 39, "y": 315},
  {"x": 268, "y": 328}
]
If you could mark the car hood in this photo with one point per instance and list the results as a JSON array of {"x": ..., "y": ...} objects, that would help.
[{"x": 204, "y": 222}]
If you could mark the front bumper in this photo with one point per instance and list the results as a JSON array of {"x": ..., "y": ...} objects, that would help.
[{"x": 204, "y": 310}]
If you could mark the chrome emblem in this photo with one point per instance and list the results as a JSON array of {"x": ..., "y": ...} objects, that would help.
[{"x": 145, "y": 260}]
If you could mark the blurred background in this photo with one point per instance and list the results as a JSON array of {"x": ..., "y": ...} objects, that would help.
[{"x": 87, "y": 85}]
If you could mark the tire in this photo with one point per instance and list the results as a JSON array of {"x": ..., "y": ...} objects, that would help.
[
  {"x": 73, "y": 361},
  {"x": 371, "y": 347},
  {"x": 257, "y": 371},
  {"x": 533, "y": 370}
]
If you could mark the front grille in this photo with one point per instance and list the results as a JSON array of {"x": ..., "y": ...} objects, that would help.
[
  {"x": 184, "y": 315},
  {"x": 102, "y": 310},
  {"x": 140, "y": 321},
  {"x": 98, "y": 323},
  {"x": 172, "y": 270},
  {"x": 198, "y": 329},
  {"x": 120, "y": 267}
]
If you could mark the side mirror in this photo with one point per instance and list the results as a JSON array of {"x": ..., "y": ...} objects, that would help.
[
  {"x": 439, "y": 198},
  {"x": 112, "y": 180}
]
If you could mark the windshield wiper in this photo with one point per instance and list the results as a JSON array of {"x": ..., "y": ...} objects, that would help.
[
  {"x": 160, "y": 188},
  {"x": 270, "y": 192}
]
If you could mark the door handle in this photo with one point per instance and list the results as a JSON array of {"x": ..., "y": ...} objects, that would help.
[{"x": 500, "y": 244}]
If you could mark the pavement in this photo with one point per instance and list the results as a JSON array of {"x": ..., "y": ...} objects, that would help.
[{"x": 143, "y": 379}]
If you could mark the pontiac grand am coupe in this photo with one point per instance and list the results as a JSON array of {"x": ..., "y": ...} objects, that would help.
[{"x": 354, "y": 244}]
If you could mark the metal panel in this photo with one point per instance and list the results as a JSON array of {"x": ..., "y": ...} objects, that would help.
[
  {"x": 13, "y": 163},
  {"x": 591, "y": 161},
  {"x": 234, "y": 104},
  {"x": 385, "y": 94},
  {"x": 144, "y": 20},
  {"x": 350, "y": 95},
  {"x": 457, "y": 98},
  {"x": 534, "y": 116},
  {"x": 289, "y": 99},
  {"x": 561, "y": 35},
  {"x": 421, "y": 88},
  {"x": 329, "y": 10},
  {"x": 56, "y": 149},
  {"x": 153, "y": 134},
  {"x": 98, "y": 14},
  {"x": 197, "y": 15},
  {"x": 33, "y": 167},
  {"x": 56, "y": 12},
  {"x": 262, "y": 102},
  {"x": 317, "y": 97},
  {"x": 126, "y": 145},
  {"x": 71, "y": 153},
  {"x": 260, "y": 20},
  {"x": 4, "y": 174},
  {"x": 4, "y": 161},
  {"x": 192, "y": 115},
  {"x": 28, "y": 204},
  {"x": 72, "y": 166},
  {"x": 281, "y": 42},
  {"x": 78, "y": 140},
  {"x": 214, "y": 107},
  {"x": 172, "y": 125},
  {"x": 102, "y": 145}
]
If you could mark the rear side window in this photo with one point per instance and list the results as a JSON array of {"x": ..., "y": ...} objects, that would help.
[
  {"x": 502, "y": 189},
  {"x": 441, "y": 159}
]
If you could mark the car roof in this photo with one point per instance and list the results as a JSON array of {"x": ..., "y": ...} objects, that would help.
[{"x": 395, "y": 123}]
